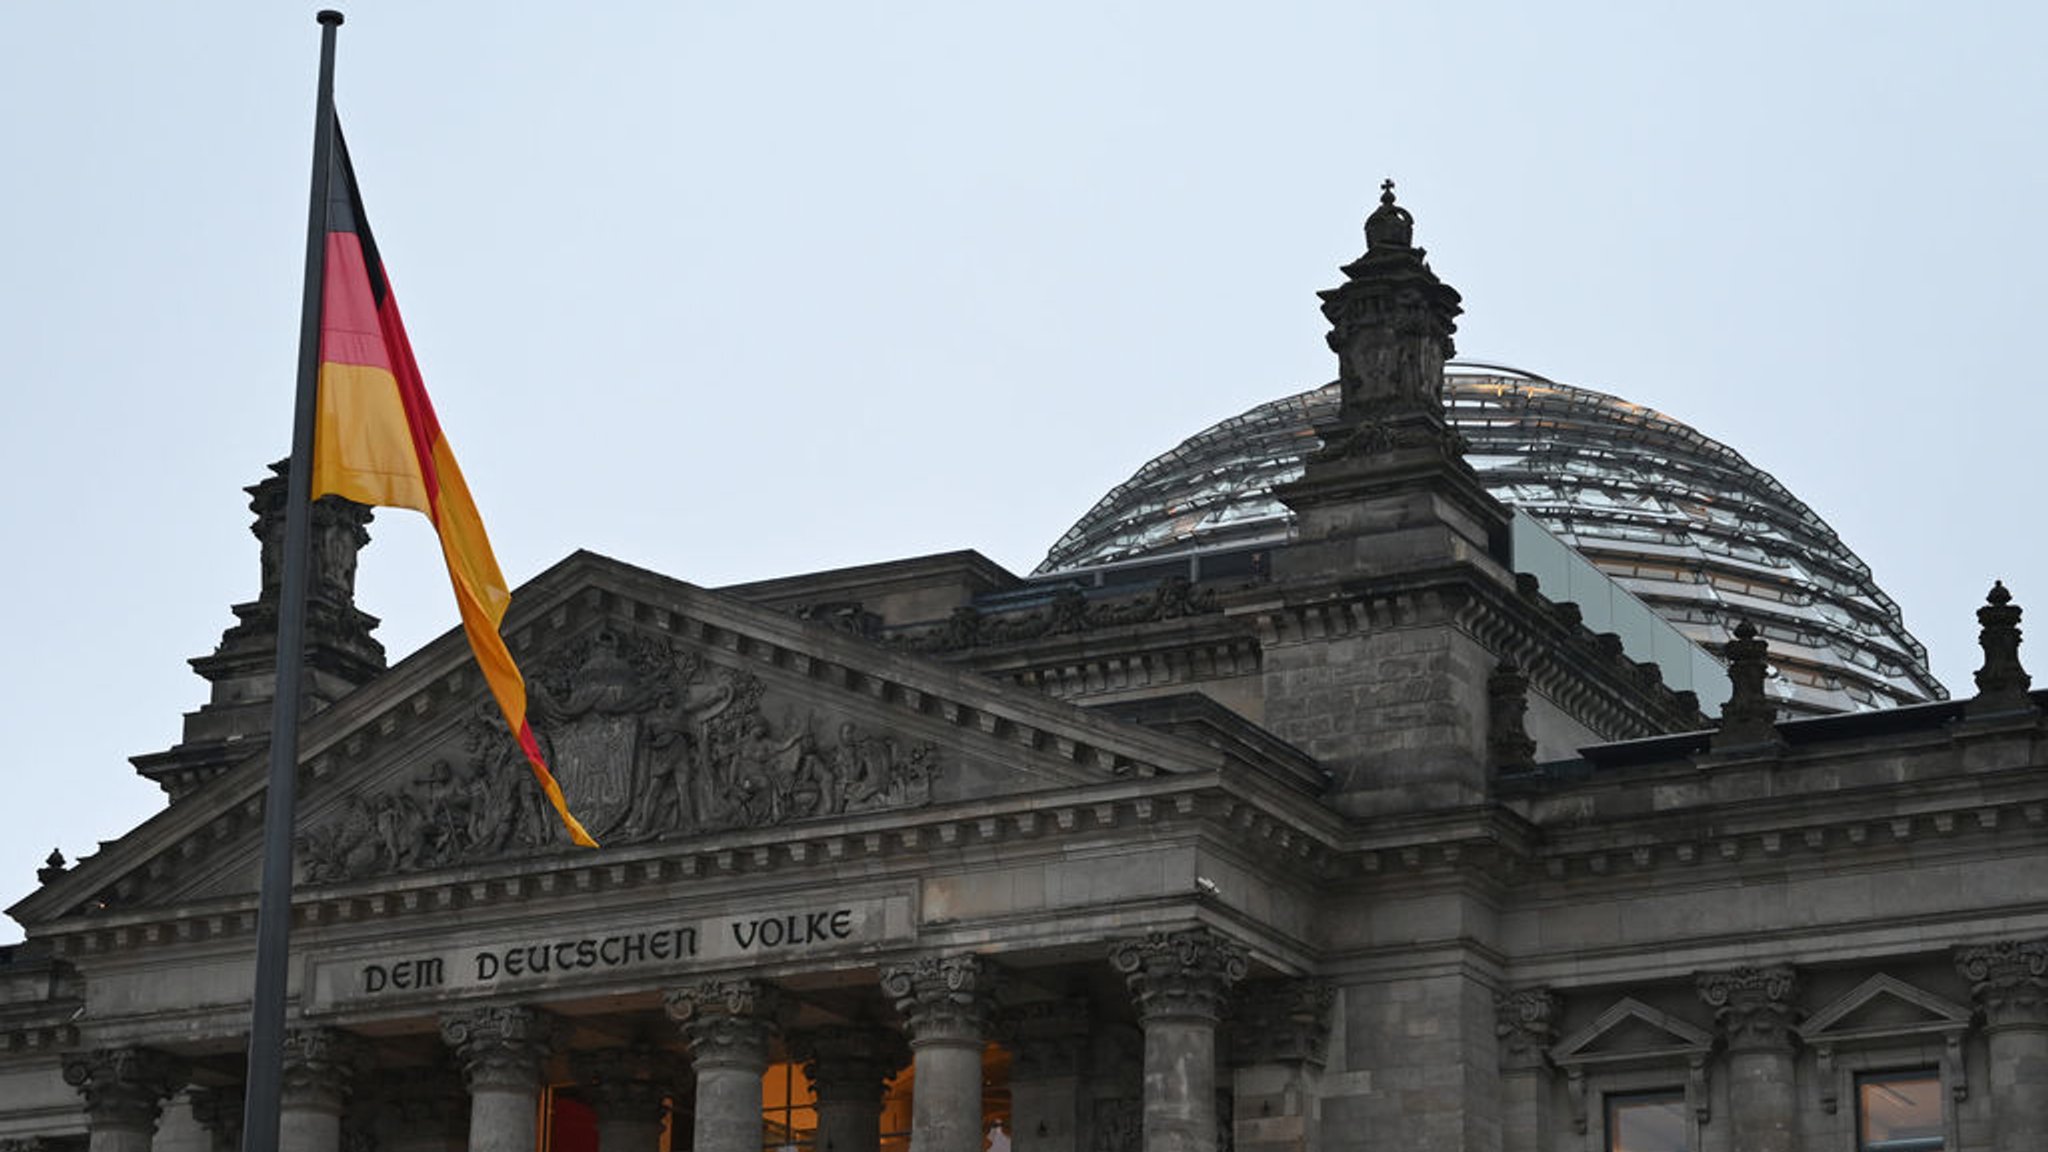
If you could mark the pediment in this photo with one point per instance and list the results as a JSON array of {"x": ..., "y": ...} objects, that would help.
[
  {"x": 668, "y": 712},
  {"x": 1883, "y": 1006},
  {"x": 1631, "y": 1030}
]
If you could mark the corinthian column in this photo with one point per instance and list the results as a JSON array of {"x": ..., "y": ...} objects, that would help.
[
  {"x": 848, "y": 1069},
  {"x": 629, "y": 1087},
  {"x": 501, "y": 1051},
  {"x": 946, "y": 1001},
  {"x": 1181, "y": 981},
  {"x": 124, "y": 1090},
  {"x": 729, "y": 1025},
  {"x": 1755, "y": 1011},
  {"x": 319, "y": 1064},
  {"x": 2009, "y": 980}
]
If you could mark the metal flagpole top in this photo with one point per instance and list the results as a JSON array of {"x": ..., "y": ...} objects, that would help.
[{"x": 329, "y": 17}]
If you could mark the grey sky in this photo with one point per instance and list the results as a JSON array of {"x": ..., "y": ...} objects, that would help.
[{"x": 733, "y": 291}]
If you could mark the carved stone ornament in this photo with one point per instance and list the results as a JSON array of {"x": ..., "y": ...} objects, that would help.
[
  {"x": 1391, "y": 323},
  {"x": 1281, "y": 1022},
  {"x": 1526, "y": 1024},
  {"x": 2001, "y": 683},
  {"x": 1508, "y": 746},
  {"x": 729, "y": 1023},
  {"x": 499, "y": 1047},
  {"x": 944, "y": 999},
  {"x": 1047, "y": 1038},
  {"x": 1748, "y": 719},
  {"x": 1069, "y": 610},
  {"x": 2009, "y": 979},
  {"x": 320, "y": 1065},
  {"x": 1184, "y": 974},
  {"x": 1753, "y": 1006},
  {"x": 124, "y": 1087},
  {"x": 850, "y": 1064},
  {"x": 647, "y": 740}
]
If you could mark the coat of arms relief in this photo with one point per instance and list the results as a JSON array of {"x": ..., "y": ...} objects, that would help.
[{"x": 647, "y": 740}]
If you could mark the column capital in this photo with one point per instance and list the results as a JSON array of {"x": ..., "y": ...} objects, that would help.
[
  {"x": 728, "y": 1023},
  {"x": 124, "y": 1087},
  {"x": 944, "y": 999},
  {"x": 1047, "y": 1038},
  {"x": 2009, "y": 980},
  {"x": 1754, "y": 1006},
  {"x": 499, "y": 1047},
  {"x": 632, "y": 1083},
  {"x": 1188, "y": 973},
  {"x": 850, "y": 1063},
  {"x": 1281, "y": 1022},
  {"x": 319, "y": 1068},
  {"x": 1525, "y": 1021}
]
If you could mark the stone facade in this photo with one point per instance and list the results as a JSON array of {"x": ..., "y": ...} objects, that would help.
[{"x": 1357, "y": 842}]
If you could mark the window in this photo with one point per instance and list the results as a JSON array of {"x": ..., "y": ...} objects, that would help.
[
  {"x": 789, "y": 1113},
  {"x": 1899, "y": 1111},
  {"x": 1646, "y": 1122}
]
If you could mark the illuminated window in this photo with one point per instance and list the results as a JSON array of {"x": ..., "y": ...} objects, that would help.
[
  {"x": 1646, "y": 1122},
  {"x": 789, "y": 1109},
  {"x": 1899, "y": 1111}
]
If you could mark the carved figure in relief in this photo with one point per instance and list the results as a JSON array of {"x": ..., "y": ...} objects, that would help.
[{"x": 647, "y": 742}]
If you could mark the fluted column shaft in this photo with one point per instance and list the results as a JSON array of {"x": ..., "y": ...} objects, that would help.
[
  {"x": 501, "y": 1051},
  {"x": 1755, "y": 1009},
  {"x": 945, "y": 1000},
  {"x": 1181, "y": 981},
  {"x": 2009, "y": 980},
  {"x": 729, "y": 1025},
  {"x": 849, "y": 1068},
  {"x": 319, "y": 1064}
]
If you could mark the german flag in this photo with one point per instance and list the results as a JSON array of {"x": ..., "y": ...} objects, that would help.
[{"x": 375, "y": 441}]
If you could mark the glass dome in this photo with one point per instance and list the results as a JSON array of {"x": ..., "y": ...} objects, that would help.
[{"x": 1681, "y": 521}]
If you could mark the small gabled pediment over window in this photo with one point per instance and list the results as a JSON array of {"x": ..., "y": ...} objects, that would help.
[
  {"x": 1884, "y": 1015},
  {"x": 1632, "y": 1037}
]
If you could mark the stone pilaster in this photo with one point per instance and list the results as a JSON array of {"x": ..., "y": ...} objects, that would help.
[
  {"x": 629, "y": 1087},
  {"x": 500, "y": 1051},
  {"x": 1526, "y": 1025},
  {"x": 319, "y": 1067},
  {"x": 849, "y": 1069},
  {"x": 946, "y": 1002},
  {"x": 1181, "y": 982},
  {"x": 729, "y": 1025},
  {"x": 219, "y": 1112},
  {"x": 1049, "y": 1045},
  {"x": 2009, "y": 980},
  {"x": 1756, "y": 1010},
  {"x": 418, "y": 1109},
  {"x": 1279, "y": 1036},
  {"x": 124, "y": 1091}
]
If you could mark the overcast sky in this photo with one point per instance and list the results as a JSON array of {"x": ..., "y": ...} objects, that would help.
[{"x": 734, "y": 291}]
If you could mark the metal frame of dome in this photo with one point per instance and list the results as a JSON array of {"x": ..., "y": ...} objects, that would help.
[{"x": 1677, "y": 518}]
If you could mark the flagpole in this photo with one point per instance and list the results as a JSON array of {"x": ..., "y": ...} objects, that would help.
[{"x": 265, "y": 1082}]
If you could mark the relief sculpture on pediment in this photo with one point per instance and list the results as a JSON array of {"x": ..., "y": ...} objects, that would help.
[{"x": 647, "y": 741}]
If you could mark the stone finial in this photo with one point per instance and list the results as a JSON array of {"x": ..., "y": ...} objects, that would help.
[
  {"x": 2001, "y": 683},
  {"x": 54, "y": 867},
  {"x": 944, "y": 999},
  {"x": 1390, "y": 225},
  {"x": 1180, "y": 974},
  {"x": 1525, "y": 1022},
  {"x": 1508, "y": 745},
  {"x": 1748, "y": 719},
  {"x": 2009, "y": 979},
  {"x": 1754, "y": 1006}
]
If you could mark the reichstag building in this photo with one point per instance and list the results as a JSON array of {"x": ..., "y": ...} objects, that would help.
[{"x": 1445, "y": 759}]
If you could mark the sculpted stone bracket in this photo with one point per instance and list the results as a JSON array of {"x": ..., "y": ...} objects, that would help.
[{"x": 647, "y": 740}]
